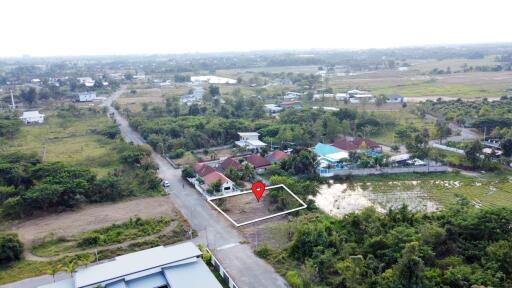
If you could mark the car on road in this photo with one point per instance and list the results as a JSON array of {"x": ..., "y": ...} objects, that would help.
[{"x": 166, "y": 184}]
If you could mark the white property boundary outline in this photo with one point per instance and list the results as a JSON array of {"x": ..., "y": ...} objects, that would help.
[{"x": 258, "y": 219}]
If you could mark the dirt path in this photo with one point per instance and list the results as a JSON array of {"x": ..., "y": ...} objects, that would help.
[
  {"x": 91, "y": 217},
  {"x": 29, "y": 256}
]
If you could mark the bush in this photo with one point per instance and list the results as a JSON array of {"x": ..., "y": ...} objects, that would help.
[
  {"x": 263, "y": 251},
  {"x": 11, "y": 248},
  {"x": 177, "y": 154},
  {"x": 293, "y": 278},
  {"x": 187, "y": 172},
  {"x": 90, "y": 240}
]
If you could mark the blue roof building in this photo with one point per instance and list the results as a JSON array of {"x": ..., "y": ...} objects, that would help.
[
  {"x": 177, "y": 266},
  {"x": 323, "y": 150}
]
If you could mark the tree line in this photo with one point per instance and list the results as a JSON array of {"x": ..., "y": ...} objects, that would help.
[
  {"x": 457, "y": 247},
  {"x": 28, "y": 185}
]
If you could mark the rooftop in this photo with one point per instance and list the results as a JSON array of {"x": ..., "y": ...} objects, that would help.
[
  {"x": 215, "y": 176},
  {"x": 203, "y": 169},
  {"x": 29, "y": 114},
  {"x": 257, "y": 161},
  {"x": 278, "y": 155},
  {"x": 178, "y": 265},
  {"x": 325, "y": 149},
  {"x": 230, "y": 163}
]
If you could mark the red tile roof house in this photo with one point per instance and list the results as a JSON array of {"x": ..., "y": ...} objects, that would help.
[
  {"x": 257, "y": 162},
  {"x": 226, "y": 184},
  {"x": 277, "y": 156},
  {"x": 229, "y": 163},
  {"x": 209, "y": 175},
  {"x": 203, "y": 169},
  {"x": 356, "y": 144},
  {"x": 370, "y": 144}
]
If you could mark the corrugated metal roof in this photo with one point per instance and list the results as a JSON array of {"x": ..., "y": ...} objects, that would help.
[
  {"x": 180, "y": 276},
  {"x": 135, "y": 262}
]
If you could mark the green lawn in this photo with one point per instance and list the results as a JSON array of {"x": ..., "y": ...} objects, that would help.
[{"x": 71, "y": 141}]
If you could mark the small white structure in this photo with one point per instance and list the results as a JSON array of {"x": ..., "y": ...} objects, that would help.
[
  {"x": 87, "y": 81},
  {"x": 362, "y": 98},
  {"x": 272, "y": 108},
  {"x": 30, "y": 117},
  {"x": 86, "y": 96},
  {"x": 291, "y": 96},
  {"x": 342, "y": 96},
  {"x": 195, "y": 98},
  {"x": 140, "y": 76},
  {"x": 35, "y": 81},
  {"x": 250, "y": 140},
  {"x": 211, "y": 79},
  {"x": 395, "y": 98}
]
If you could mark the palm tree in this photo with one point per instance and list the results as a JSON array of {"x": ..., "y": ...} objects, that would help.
[
  {"x": 70, "y": 267},
  {"x": 54, "y": 269}
]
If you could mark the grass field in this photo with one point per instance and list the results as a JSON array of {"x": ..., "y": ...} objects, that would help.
[{"x": 69, "y": 140}]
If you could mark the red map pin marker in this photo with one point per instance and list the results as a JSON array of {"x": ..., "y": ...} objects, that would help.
[{"x": 257, "y": 189}]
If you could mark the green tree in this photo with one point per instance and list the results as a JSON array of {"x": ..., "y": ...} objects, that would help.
[
  {"x": 506, "y": 145},
  {"x": 11, "y": 248},
  {"x": 409, "y": 269},
  {"x": 473, "y": 153},
  {"x": 29, "y": 96}
]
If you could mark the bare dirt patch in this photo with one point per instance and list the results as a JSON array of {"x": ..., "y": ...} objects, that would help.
[
  {"x": 244, "y": 207},
  {"x": 92, "y": 217}
]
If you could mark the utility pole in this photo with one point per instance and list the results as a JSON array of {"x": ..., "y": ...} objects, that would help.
[{"x": 12, "y": 101}]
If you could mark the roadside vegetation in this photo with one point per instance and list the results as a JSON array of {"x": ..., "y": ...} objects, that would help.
[
  {"x": 133, "y": 229},
  {"x": 450, "y": 248}
]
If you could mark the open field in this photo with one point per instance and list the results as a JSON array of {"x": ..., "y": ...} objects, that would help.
[
  {"x": 426, "y": 65},
  {"x": 412, "y": 84},
  {"x": 234, "y": 73},
  {"x": 490, "y": 189},
  {"x": 69, "y": 140},
  {"x": 91, "y": 217}
]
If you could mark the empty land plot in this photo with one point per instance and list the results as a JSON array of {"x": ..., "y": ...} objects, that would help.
[
  {"x": 418, "y": 84},
  {"x": 243, "y": 208},
  {"x": 69, "y": 140},
  {"x": 92, "y": 217}
]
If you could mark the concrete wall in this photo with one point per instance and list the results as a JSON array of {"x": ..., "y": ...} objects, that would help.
[
  {"x": 391, "y": 170},
  {"x": 222, "y": 271}
]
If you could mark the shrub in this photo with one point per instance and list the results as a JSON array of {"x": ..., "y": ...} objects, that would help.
[
  {"x": 176, "y": 154},
  {"x": 90, "y": 240},
  {"x": 187, "y": 172},
  {"x": 11, "y": 248},
  {"x": 263, "y": 251},
  {"x": 293, "y": 278}
]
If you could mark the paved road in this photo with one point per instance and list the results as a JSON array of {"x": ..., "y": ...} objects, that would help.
[
  {"x": 246, "y": 269},
  {"x": 214, "y": 230}
]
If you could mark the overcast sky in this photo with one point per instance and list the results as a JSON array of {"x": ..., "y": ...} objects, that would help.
[{"x": 99, "y": 27}]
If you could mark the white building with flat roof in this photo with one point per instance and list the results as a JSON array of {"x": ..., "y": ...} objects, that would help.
[
  {"x": 176, "y": 266},
  {"x": 86, "y": 96},
  {"x": 30, "y": 117},
  {"x": 250, "y": 140}
]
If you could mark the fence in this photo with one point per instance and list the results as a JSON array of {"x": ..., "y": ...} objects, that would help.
[
  {"x": 218, "y": 267},
  {"x": 386, "y": 170},
  {"x": 447, "y": 148}
]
